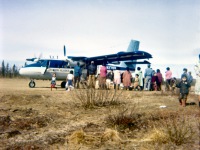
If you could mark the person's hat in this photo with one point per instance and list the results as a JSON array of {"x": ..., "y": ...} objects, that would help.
[
  {"x": 92, "y": 62},
  {"x": 184, "y": 69},
  {"x": 184, "y": 76}
]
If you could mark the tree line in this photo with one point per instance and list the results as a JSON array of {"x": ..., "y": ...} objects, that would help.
[{"x": 8, "y": 71}]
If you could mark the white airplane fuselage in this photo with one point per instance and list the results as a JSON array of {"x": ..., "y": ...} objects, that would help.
[{"x": 45, "y": 74}]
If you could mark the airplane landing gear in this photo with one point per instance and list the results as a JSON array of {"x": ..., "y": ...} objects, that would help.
[
  {"x": 63, "y": 84},
  {"x": 31, "y": 84}
]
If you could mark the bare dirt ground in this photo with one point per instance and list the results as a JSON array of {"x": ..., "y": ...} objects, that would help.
[{"x": 38, "y": 118}]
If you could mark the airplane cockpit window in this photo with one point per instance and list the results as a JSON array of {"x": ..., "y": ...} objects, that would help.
[
  {"x": 40, "y": 62},
  {"x": 45, "y": 63}
]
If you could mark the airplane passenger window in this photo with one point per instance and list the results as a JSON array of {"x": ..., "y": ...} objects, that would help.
[{"x": 57, "y": 64}]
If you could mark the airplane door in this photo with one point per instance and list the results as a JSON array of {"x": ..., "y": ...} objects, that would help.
[{"x": 44, "y": 67}]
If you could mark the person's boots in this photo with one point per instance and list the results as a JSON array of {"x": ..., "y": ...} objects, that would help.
[
  {"x": 115, "y": 86},
  {"x": 183, "y": 103}
]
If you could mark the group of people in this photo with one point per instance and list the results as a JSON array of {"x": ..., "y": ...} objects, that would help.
[
  {"x": 105, "y": 78},
  {"x": 152, "y": 80}
]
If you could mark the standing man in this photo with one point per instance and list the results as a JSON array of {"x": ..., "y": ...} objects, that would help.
[
  {"x": 147, "y": 75},
  {"x": 77, "y": 75},
  {"x": 190, "y": 78},
  {"x": 184, "y": 73},
  {"x": 168, "y": 76},
  {"x": 92, "y": 69},
  {"x": 110, "y": 78}
]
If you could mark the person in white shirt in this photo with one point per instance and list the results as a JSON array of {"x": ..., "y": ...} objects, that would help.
[
  {"x": 197, "y": 85},
  {"x": 117, "y": 79},
  {"x": 69, "y": 81}
]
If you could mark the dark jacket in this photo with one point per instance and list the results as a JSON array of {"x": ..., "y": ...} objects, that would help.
[
  {"x": 184, "y": 87},
  {"x": 110, "y": 76},
  {"x": 92, "y": 69}
]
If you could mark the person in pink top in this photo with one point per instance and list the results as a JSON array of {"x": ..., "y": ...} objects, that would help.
[
  {"x": 127, "y": 79},
  {"x": 168, "y": 76},
  {"x": 102, "y": 78}
]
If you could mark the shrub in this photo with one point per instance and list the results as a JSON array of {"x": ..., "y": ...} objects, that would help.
[
  {"x": 90, "y": 97},
  {"x": 173, "y": 129},
  {"x": 127, "y": 119}
]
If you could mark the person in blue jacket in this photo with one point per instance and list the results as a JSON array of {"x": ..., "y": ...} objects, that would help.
[{"x": 77, "y": 75}]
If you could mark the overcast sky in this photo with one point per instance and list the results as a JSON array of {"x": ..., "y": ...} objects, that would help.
[{"x": 167, "y": 29}]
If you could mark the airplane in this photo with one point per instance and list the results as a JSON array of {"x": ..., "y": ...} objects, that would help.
[{"x": 44, "y": 68}]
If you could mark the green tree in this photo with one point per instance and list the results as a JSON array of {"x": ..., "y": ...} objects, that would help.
[
  {"x": 3, "y": 69},
  {"x": 8, "y": 70},
  {"x": 14, "y": 71}
]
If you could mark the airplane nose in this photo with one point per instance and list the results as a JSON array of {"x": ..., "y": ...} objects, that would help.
[{"x": 20, "y": 71}]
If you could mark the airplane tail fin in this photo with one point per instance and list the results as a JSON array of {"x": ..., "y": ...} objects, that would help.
[{"x": 133, "y": 46}]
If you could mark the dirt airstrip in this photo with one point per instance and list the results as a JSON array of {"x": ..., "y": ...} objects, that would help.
[{"x": 38, "y": 118}]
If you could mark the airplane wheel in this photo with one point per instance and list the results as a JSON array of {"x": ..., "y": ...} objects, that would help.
[
  {"x": 32, "y": 84},
  {"x": 63, "y": 84}
]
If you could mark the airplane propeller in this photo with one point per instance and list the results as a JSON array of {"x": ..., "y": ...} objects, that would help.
[
  {"x": 35, "y": 59},
  {"x": 64, "y": 51}
]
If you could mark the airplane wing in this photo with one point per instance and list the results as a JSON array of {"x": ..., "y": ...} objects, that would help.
[
  {"x": 138, "y": 62},
  {"x": 112, "y": 58},
  {"x": 77, "y": 58}
]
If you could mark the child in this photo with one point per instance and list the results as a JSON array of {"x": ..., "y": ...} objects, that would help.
[
  {"x": 184, "y": 90},
  {"x": 69, "y": 80},
  {"x": 53, "y": 81},
  {"x": 136, "y": 84}
]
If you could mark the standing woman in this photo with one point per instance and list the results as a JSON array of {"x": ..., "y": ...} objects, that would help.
[
  {"x": 139, "y": 72},
  {"x": 117, "y": 79},
  {"x": 168, "y": 76},
  {"x": 127, "y": 78},
  {"x": 197, "y": 85},
  {"x": 159, "y": 75},
  {"x": 102, "y": 78}
]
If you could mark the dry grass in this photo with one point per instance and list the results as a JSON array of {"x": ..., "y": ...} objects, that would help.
[
  {"x": 112, "y": 135},
  {"x": 126, "y": 118},
  {"x": 39, "y": 118}
]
